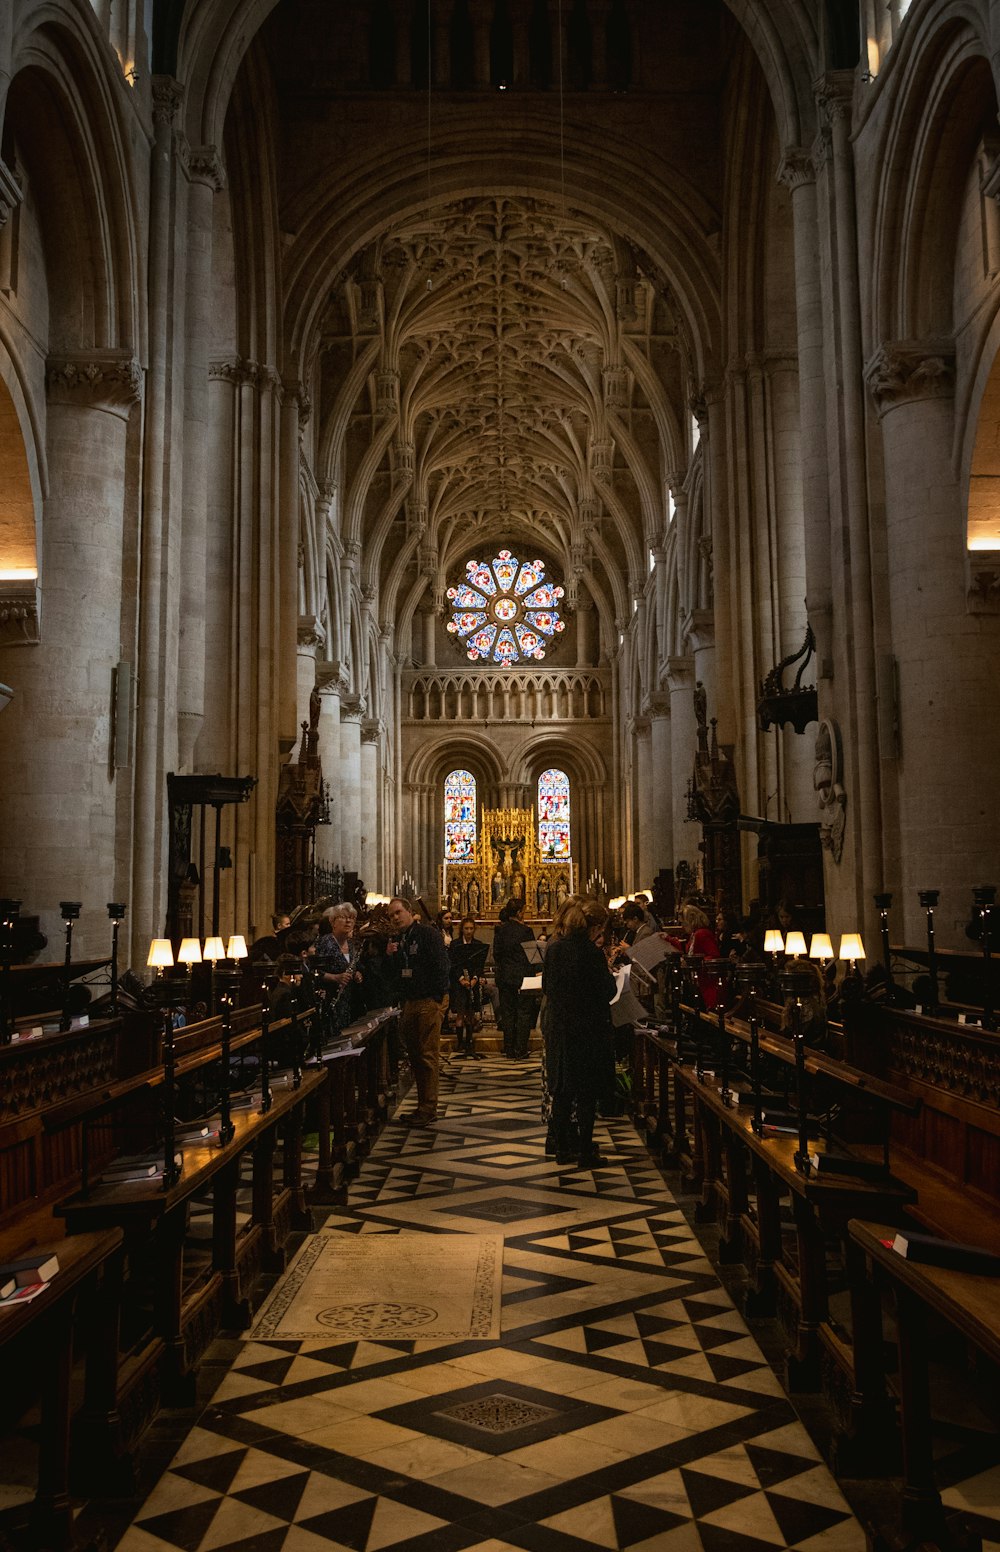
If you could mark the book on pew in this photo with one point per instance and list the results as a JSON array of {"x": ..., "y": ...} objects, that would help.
[
  {"x": 929, "y": 1250},
  {"x": 145, "y": 1168},
  {"x": 846, "y": 1164},
  {"x": 23, "y": 1295},
  {"x": 30, "y": 1270}
]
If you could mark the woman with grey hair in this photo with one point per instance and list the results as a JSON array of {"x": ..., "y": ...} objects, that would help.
[{"x": 333, "y": 966}]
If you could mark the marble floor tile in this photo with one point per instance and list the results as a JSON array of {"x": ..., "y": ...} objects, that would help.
[{"x": 579, "y": 1428}]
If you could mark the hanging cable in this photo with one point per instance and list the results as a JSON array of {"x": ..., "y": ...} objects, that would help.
[{"x": 562, "y": 115}]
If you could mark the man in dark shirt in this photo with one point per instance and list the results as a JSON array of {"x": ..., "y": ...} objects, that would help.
[{"x": 421, "y": 971}]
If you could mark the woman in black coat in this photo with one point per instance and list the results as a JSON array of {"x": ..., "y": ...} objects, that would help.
[
  {"x": 579, "y": 1045},
  {"x": 466, "y": 959},
  {"x": 511, "y": 967}
]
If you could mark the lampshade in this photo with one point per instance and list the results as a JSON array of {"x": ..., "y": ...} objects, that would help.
[
  {"x": 820, "y": 947},
  {"x": 189, "y": 952},
  {"x": 795, "y": 943},
  {"x": 851, "y": 946},
  {"x": 236, "y": 948},
  {"x": 161, "y": 955},
  {"x": 214, "y": 950},
  {"x": 774, "y": 943}
]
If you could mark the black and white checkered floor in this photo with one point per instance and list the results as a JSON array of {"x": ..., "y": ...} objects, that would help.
[{"x": 626, "y": 1405}]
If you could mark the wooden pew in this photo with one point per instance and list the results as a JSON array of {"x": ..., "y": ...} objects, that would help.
[
  {"x": 41, "y": 1339},
  {"x": 354, "y": 1102},
  {"x": 969, "y": 1304}
]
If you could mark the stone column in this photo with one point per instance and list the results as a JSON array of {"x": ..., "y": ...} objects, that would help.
[
  {"x": 662, "y": 847},
  {"x": 351, "y": 714},
  {"x": 430, "y": 638},
  {"x": 586, "y": 617},
  {"x": 645, "y": 849},
  {"x": 329, "y": 845},
  {"x": 58, "y": 782},
  {"x": 206, "y": 177},
  {"x": 683, "y": 743},
  {"x": 310, "y": 639},
  {"x": 945, "y": 656},
  {"x": 371, "y": 732},
  {"x": 699, "y": 627}
]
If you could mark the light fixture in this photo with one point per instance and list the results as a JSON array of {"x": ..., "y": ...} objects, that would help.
[
  {"x": 161, "y": 955},
  {"x": 236, "y": 948},
  {"x": 214, "y": 950},
  {"x": 851, "y": 946},
  {"x": 795, "y": 944},
  {"x": 774, "y": 943},
  {"x": 820, "y": 946},
  {"x": 189, "y": 952}
]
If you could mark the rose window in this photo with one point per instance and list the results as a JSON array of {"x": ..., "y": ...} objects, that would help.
[{"x": 505, "y": 611}]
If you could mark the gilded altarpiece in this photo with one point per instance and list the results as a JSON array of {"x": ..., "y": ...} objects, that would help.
[{"x": 507, "y": 864}]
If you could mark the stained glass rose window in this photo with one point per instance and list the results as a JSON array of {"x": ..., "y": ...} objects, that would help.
[{"x": 505, "y": 611}]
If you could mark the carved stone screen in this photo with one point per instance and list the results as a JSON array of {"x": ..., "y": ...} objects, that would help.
[
  {"x": 553, "y": 816},
  {"x": 460, "y": 817}
]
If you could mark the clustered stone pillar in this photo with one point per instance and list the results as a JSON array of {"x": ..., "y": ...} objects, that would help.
[
  {"x": 370, "y": 732},
  {"x": 351, "y": 714},
  {"x": 683, "y": 741},
  {"x": 329, "y": 844},
  {"x": 661, "y": 852},
  {"x": 945, "y": 657},
  {"x": 59, "y": 788}
]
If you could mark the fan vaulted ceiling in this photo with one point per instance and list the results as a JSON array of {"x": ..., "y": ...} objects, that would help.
[{"x": 516, "y": 340}]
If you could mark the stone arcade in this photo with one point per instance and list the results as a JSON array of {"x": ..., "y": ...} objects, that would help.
[{"x": 478, "y": 401}]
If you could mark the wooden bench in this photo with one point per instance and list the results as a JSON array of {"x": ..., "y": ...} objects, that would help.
[
  {"x": 40, "y": 1339},
  {"x": 968, "y": 1303}
]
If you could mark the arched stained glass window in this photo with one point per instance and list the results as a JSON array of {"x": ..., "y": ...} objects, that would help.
[
  {"x": 460, "y": 817},
  {"x": 553, "y": 816}
]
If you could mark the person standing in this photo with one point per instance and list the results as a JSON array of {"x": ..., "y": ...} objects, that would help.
[
  {"x": 700, "y": 943},
  {"x": 467, "y": 956},
  {"x": 333, "y": 967},
  {"x": 511, "y": 967},
  {"x": 422, "y": 975},
  {"x": 579, "y": 1043}
]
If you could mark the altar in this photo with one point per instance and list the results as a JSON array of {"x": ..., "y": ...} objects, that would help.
[{"x": 506, "y": 862}]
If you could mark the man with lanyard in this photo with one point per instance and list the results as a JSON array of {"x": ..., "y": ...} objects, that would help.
[{"x": 422, "y": 977}]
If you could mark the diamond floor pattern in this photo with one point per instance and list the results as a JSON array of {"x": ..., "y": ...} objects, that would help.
[{"x": 625, "y": 1406}]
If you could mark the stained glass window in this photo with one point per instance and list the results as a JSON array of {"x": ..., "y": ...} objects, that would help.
[
  {"x": 553, "y": 816},
  {"x": 505, "y": 611},
  {"x": 460, "y": 817}
]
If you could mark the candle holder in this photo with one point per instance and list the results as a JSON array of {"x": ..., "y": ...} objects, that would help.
[
  {"x": 9, "y": 912},
  {"x": 213, "y": 951},
  {"x": 161, "y": 958},
  {"x": 797, "y": 981},
  {"x": 928, "y": 899},
  {"x": 69, "y": 910},
  {"x": 266, "y": 1096},
  {"x": 227, "y": 997},
  {"x": 883, "y": 904},
  {"x": 116, "y": 915},
  {"x": 983, "y": 901},
  {"x": 722, "y": 969}
]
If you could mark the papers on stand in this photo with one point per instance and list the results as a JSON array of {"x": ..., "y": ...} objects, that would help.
[
  {"x": 625, "y": 1005},
  {"x": 650, "y": 952}
]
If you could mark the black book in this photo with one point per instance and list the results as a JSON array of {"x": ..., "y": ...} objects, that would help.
[
  {"x": 928, "y": 1250},
  {"x": 31, "y": 1269}
]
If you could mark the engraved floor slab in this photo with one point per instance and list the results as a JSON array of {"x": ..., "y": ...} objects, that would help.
[{"x": 388, "y": 1288}]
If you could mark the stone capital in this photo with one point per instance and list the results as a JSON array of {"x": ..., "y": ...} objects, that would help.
[
  {"x": 640, "y": 727},
  {"x": 108, "y": 380},
  {"x": 330, "y": 678},
  {"x": 310, "y": 632},
  {"x": 699, "y": 628},
  {"x": 656, "y": 705},
  {"x": 796, "y": 168},
  {"x": 372, "y": 729},
  {"x": 680, "y": 674},
  {"x": 904, "y": 371},
  {"x": 983, "y": 590},
  {"x": 168, "y": 96},
  {"x": 352, "y": 708},
  {"x": 19, "y": 625},
  {"x": 834, "y": 94},
  {"x": 237, "y": 370},
  {"x": 204, "y": 164}
]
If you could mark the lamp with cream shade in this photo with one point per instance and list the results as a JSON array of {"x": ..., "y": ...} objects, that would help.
[
  {"x": 160, "y": 956},
  {"x": 774, "y": 943},
  {"x": 236, "y": 948},
  {"x": 795, "y": 944},
  {"x": 820, "y": 946},
  {"x": 851, "y": 947},
  {"x": 189, "y": 952},
  {"x": 214, "y": 950}
]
